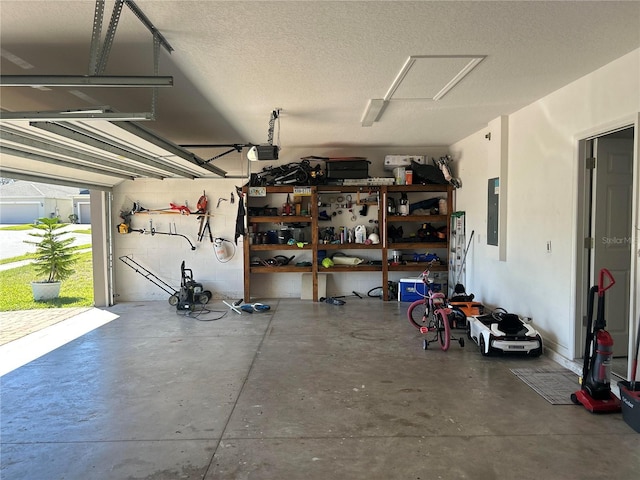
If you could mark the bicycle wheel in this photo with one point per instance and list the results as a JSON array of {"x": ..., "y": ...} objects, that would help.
[
  {"x": 418, "y": 314},
  {"x": 375, "y": 292},
  {"x": 443, "y": 330}
]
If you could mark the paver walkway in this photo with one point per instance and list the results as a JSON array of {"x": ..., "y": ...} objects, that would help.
[{"x": 14, "y": 325}]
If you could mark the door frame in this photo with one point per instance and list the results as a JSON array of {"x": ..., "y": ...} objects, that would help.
[
  {"x": 582, "y": 214},
  {"x": 102, "y": 246}
]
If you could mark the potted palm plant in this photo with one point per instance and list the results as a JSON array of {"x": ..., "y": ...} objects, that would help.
[{"x": 55, "y": 258}]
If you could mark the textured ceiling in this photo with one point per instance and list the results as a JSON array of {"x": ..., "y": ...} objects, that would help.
[{"x": 235, "y": 61}]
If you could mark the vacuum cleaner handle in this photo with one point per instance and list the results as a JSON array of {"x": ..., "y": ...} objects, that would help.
[
  {"x": 601, "y": 287},
  {"x": 600, "y": 320},
  {"x": 588, "y": 354}
]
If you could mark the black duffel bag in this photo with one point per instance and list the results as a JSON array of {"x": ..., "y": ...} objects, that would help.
[{"x": 427, "y": 174}]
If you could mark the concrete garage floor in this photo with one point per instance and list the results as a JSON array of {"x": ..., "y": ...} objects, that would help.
[{"x": 304, "y": 391}]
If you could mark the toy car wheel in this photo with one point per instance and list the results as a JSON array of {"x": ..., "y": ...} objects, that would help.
[
  {"x": 574, "y": 399},
  {"x": 173, "y": 300},
  {"x": 461, "y": 341},
  {"x": 469, "y": 331},
  {"x": 482, "y": 345},
  {"x": 425, "y": 344},
  {"x": 538, "y": 351}
]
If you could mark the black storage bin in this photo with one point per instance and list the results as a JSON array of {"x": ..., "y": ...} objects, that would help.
[
  {"x": 630, "y": 400},
  {"x": 347, "y": 169}
]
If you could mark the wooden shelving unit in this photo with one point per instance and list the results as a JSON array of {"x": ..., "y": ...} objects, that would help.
[{"x": 274, "y": 195}]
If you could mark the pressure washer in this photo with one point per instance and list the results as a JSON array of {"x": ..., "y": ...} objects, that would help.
[
  {"x": 595, "y": 392},
  {"x": 190, "y": 294}
]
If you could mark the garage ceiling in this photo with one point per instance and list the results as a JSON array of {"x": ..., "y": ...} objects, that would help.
[{"x": 321, "y": 62}]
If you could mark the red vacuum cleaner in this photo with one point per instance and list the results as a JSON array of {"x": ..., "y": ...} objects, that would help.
[{"x": 595, "y": 392}]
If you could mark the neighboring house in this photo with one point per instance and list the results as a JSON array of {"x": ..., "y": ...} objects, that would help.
[{"x": 23, "y": 202}]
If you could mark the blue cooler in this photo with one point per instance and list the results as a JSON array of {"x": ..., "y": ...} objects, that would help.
[{"x": 412, "y": 289}]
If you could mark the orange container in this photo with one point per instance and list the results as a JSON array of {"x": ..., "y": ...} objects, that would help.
[{"x": 408, "y": 177}]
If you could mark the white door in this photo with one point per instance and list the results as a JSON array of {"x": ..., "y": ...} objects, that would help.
[{"x": 611, "y": 231}]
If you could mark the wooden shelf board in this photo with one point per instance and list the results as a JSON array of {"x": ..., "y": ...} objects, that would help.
[
  {"x": 417, "y": 267},
  {"x": 278, "y": 246},
  {"x": 348, "y": 246},
  {"x": 416, "y": 245},
  {"x": 417, "y": 188},
  {"x": 352, "y": 268},
  {"x": 279, "y": 219},
  {"x": 282, "y": 269},
  {"x": 417, "y": 218}
]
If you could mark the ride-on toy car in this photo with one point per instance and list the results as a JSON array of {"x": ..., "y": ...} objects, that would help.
[{"x": 503, "y": 332}]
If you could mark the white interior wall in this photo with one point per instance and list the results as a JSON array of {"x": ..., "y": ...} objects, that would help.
[
  {"x": 542, "y": 197},
  {"x": 163, "y": 254}
]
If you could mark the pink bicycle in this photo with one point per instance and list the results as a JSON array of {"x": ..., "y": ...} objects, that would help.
[{"x": 430, "y": 314}]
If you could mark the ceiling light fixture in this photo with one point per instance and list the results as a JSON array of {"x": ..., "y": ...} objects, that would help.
[{"x": 374, "y": 110}]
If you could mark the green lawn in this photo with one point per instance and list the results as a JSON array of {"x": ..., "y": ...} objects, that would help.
[
  {"x": 28, "y": 256},
  {"x": 28, "y": 226},
  {"x": 14, "y": 228},
  {"x": 77, "y": 291}
]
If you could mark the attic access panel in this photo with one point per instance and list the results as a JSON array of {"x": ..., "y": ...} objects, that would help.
[{"x": 430, "y": 77}]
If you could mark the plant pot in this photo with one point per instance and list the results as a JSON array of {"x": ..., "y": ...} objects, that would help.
[{"x": 45, "y": 290}]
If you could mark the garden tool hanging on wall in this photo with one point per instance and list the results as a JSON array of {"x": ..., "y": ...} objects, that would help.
[
  {"x": 202, "y": 203},
  {"x": 240, "y": 231},
  {"x": 204, "y": 227},
  {"x": 125, "y": 226},
  {"x": 171, "y": 232},
  {"x": 204, "y": 218}
]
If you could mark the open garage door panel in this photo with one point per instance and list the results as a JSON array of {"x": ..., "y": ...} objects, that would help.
[{"x": 94, "y": 154}]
